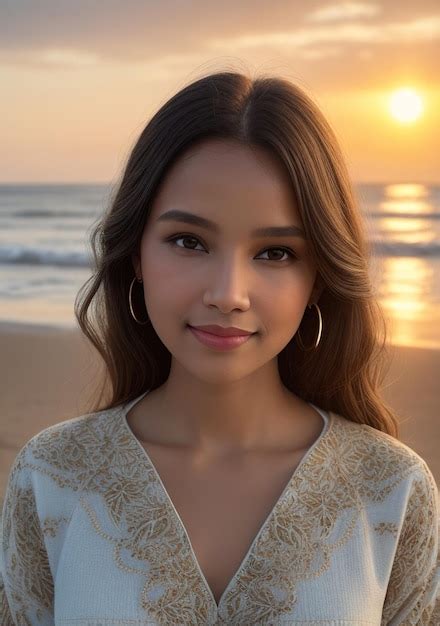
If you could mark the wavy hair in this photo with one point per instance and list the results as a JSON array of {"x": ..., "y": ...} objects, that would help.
[{"x": 344, "y": 373}]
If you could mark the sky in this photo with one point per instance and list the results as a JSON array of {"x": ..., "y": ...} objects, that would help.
[{"x": 80, "y": 80}]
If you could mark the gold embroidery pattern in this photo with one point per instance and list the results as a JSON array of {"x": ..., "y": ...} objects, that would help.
[
  {"x": 50, "y": 525},
  {"x": 98, "y": 455},
  {"x": 6, "y": 618},
  {"x": 414, "y": 556},
  {"x": 351, "y": 464},
  {"x": 28, "y": 566},
  {"x": 350, "y": 467},
  {"x": 387, "y": 527}
]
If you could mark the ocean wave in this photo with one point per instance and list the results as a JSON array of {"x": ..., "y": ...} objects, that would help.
[
  {"x": 19, "y": 255},
  {"x": 76, "y": 213}
]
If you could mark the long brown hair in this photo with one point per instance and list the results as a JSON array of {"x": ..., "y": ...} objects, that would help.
[{"x": 344, "y": 373}]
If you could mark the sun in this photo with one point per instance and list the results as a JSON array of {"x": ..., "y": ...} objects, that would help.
[{"x": 405, "y": 105}]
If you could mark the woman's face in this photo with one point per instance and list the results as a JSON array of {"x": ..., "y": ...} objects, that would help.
[{"x": 225, "y": 274}]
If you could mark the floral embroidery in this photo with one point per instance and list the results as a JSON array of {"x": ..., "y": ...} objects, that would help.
[
  {"x": 414, "y": 552},
  {"x": 387, "y": 527},
  {"x": 50, "y": 525},
  {"x": 97, "y": 454},
  {"x": 30, "y": 573}
]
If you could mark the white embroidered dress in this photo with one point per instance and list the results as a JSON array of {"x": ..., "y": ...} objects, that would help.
[{"x": 90, "y": 536}]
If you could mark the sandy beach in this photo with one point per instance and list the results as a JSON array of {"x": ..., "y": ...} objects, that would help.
[{"x": 49, "y": 374}]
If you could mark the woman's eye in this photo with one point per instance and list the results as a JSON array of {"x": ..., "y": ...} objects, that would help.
[
  {"x": 287, "y": 251},
  {"x": 173, "y": 241}
]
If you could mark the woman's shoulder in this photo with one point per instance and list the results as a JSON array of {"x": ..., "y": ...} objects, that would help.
[
  {"x": 373, "y": 456},
  {"x": 69, "y": 441}
]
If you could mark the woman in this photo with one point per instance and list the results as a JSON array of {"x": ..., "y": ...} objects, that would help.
[{"x": 246, "y": 469}]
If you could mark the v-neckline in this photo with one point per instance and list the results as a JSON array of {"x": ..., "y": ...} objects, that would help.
[{"x": 327, "y": 417}]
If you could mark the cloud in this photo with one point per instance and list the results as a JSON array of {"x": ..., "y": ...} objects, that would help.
[
  {"x": 321, "y": 52},
  {"x": 419, "y": 29},
  {"x": 82, "y": 34},
  {"x": 344, "y": 11},
  {"x": 67, "y": 57}
]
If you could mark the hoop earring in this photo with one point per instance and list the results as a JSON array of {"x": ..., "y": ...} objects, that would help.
[
  {"x": 131, "y": 306},
  {"x": 318, "y": 339}
]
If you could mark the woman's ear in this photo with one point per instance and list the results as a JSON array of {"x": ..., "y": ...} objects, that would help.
[
  {"x": 317, "y": 290},
  {"x": 135, "y": 259}
]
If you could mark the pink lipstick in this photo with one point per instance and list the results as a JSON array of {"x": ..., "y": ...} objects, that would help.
[{"x": 218, "y": 342}]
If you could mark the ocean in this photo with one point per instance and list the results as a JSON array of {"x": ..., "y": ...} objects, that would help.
[{"x": 45, "y": 256}]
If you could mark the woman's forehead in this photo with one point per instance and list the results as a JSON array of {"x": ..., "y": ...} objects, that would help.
[
  {"x": 219, "y": 157},
  {"x": 218, "y": 178}
]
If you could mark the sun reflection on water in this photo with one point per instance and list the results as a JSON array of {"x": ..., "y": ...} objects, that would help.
[{"x": 406, "y": 282}]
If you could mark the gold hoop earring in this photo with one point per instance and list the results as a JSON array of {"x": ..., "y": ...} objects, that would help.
[
  {"x": 318, "y": 339},
  {"x": 131, "y": 306}
]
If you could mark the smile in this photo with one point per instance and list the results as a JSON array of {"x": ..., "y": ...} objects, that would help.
[{"x": 218, "y": 342}]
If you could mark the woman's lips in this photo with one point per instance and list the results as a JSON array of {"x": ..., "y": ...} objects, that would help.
[{"x": 218, "y": 342}]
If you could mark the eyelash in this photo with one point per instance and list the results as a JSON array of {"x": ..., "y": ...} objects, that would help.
[{"x": 172, "y": 240}]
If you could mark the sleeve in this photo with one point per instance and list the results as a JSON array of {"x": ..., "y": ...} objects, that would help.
[
  {"x": 26, "y": 585},
  {"x": 412, "y": 596}
]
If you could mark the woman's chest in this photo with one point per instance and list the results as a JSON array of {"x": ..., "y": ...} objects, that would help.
[
  {"x": 147, "y": 572},
  {"x": 227, "y": 545},
  {"x": 222, "y": 506}
]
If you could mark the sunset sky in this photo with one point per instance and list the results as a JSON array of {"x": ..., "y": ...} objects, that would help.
[{"x": 81, "y": 79}]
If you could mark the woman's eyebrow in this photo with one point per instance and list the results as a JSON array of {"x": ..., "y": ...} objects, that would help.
[{"x": 269, "y": 231}]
